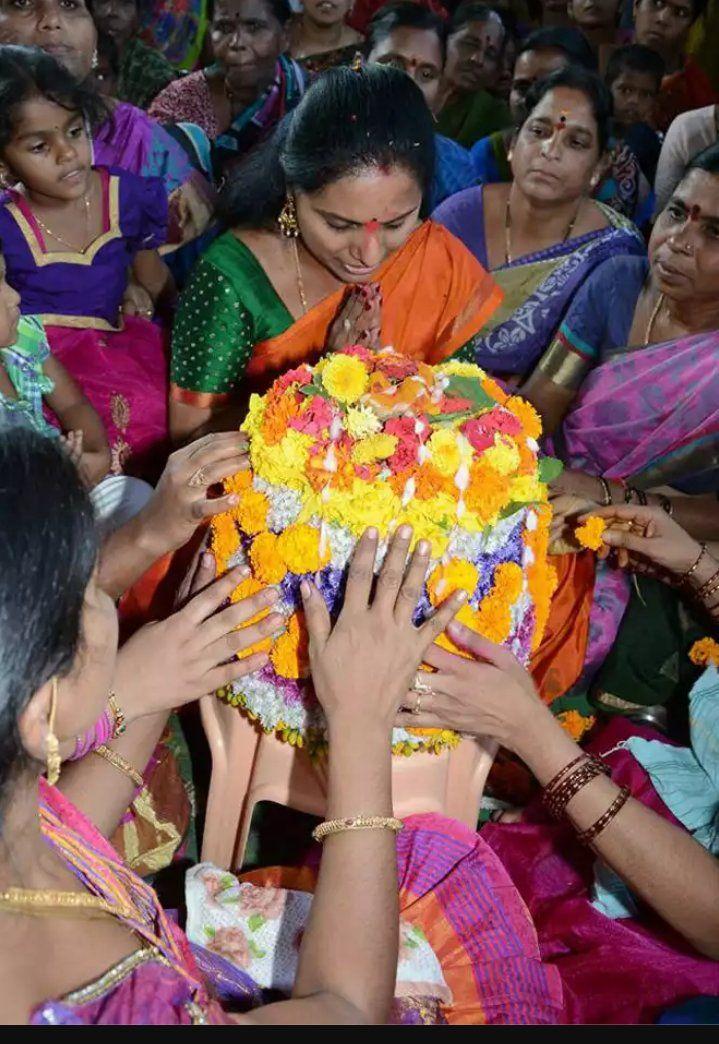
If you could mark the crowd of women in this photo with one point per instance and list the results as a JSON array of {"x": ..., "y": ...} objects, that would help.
[{"x": 196, "y": 197}]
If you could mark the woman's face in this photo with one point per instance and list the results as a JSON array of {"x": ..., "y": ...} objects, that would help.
[
  {"x": 49, "y": 151},
  {"x": 247, "y": 40},
  {"x": 594, "y": 14},
  {"x": 327, "y": 12},
  {"x": 82, "y": 694},
  {"x": 354, "y": 224},
  {"x": 556, "y": 154},
  {"x": 418, "y": 52},
  {"x": 117, "y": 18},
  {"x": 663, "y": 25},
  {"x": 63, "y": 28},
  {"x": 529, "y": 67},
  {"x": 684, "y": 245},
  {"x": 474, "y": 54}
]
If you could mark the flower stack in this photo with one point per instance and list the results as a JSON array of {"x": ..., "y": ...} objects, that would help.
[{"x": 378, "y": 439}]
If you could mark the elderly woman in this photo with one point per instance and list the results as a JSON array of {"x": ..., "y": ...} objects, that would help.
[
  {"x": 542, "y": 234},
  {"x": 252, "y": 83}
]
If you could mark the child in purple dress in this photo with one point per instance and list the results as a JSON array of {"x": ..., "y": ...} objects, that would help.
[{"x": 80, "y": 245}]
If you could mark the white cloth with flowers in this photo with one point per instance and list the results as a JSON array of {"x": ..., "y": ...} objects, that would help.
[{"x": 260, "y": 931}]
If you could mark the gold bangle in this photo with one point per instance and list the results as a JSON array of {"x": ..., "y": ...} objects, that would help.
[
  {"x": 339, "y": 826},
  {"x": 113, "y": 758},
  {"x": 118, "y": 715}
]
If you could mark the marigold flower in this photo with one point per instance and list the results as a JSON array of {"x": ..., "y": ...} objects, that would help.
[
  {"x": 251, "y": 512},
  {"x": 575, "y": 724},
  {"x": 455, "y": 575},
  {"x": 225, "y": 540},
  {"x": 503, "y": 456},
  {"x": 345, "y": 377},
  {"x": 361, "y": 421},
  {"x": 705, "y": 652},
  {"x": 531, "y": 421},
  {"x": 376, "y": 447},
  {"x": 290, "y": 653},
  {"x": 267, "y": 564},
  {"x": 299, "y": 548},
  {"x": 590, "y": 533},
  {"x": 238, "y": 482}
]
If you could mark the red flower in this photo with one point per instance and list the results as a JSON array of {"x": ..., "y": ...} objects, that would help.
[
  {"x": 455, "y": 405},
  {"x": 396, "y": 369},
  {"x": 364, "y": 354},
  {"x": 478, "y": 436},
  {"x": 301, "y": 375},
  {"x": 315, "y": 417}
]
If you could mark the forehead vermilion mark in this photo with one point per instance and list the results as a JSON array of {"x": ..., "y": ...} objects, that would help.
[
  {"x": 371, "y": 227},
  {"x": 561, "y": 123}
]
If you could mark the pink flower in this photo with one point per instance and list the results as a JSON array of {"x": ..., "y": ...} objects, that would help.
[
  {"x": 479, "y": 437},
  {"x": 455, "y": 405},
  {"x": 406, "y": 454},
  {"x": 268, "y": 902},
  {"x": 300, "y": 375},
  {"x": 364, "y": 354},
  {"x": 232, "y": 944},
  {"x": 315, "y": 417},
  {"x": 404, "y": 457},
  {"x": 502, "y": 421},
  {"x": 404, "y": 428},
  {"x": 396, "y": 369}
]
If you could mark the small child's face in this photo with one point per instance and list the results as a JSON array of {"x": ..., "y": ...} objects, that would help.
[
  {"x": 9, "y": 311},
  {"x": 49, "y": 151},
  {"x": 634, "y": 94}
]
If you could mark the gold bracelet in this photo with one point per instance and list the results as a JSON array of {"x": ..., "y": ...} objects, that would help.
[
  {"x": 339, "y": 826},
  {"x": 117, "y": 713},
  {"x": 120, "y": 763}
]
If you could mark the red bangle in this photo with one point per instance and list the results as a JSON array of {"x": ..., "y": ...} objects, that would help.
[{"x": 585, "y": 837}]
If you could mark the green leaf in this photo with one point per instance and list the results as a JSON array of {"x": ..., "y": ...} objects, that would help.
[
  {"x": 314, "y": 389},
  {"x": 441, "y": 419},
  {"x": 255, "y": 950},
  {"x": 469, "y": 388},
  {"x": 549, "y": 469},
  {"x": 256, "y": 921}
]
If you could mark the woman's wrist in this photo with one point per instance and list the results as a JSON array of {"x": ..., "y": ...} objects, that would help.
[{"x": 544, "y": 746}]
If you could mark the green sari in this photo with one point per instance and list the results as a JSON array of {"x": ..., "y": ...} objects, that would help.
[{"x": 467, "y": 117}]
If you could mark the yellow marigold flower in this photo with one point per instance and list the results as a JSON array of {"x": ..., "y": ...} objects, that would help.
[
  {"x": 527, "y": 489},
  {"x": 251, "y": 512},
  {"x": 503, "y": 456},
  {"x": 470, "y": 618},
  {"x": 444, "y": 448},
  {"x": 455, "y": 575},
  {"x": 590, "y": 533},
  {"x": 255, "y": 414},
  {"x": 239, "y": 482},
  {"x": 290, "y": 653},
  {"x": 487, "y": 493},
  {"x": 705, "y": 652},
  {"x": 267, "y": 564},
  {"x": 361, "y": 421},
  {"x": 376, "y": 447},
  {"x": 575, "y": 723},
  {"x": 531, "y": 421},
  {"x": 361, "y": 506},
  {"x": 285, "y": 463},
  {"x": 455, "y": 367},
  {"x": 225, "y": 540},
  {"x": 299, "y": 548},
  {"x": 345, "y": 377}
]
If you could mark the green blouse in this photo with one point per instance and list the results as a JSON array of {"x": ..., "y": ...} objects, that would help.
[{"x": 228, "y": 306}]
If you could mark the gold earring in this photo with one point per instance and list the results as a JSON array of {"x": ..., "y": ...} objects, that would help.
[
  {"x": 287, "y": 219},
  {"x": 53, "y": 745},
  {"x": 510, "y": 154}
]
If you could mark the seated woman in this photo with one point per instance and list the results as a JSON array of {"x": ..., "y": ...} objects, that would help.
[
  {"x": 142, "y": 71},
  {"x": 252, "y": 83},
  {"x": 126, "y": 137},
  {"x": 124, "y": 960},
  {"x": 475, "y": 44},
  {"x": 665, "y": 27},
  {"x": 409, "y": 37},
  {"x": 628, "y": 832},
  {"x": 326, "y": 248},
  {"x": 639, "y": 382},
  {"x": 622, "y": 185},
  {"x": 320, "y": 37},
  {"x": 542, "y": 234},
  {"x": 70, "y": 234}
]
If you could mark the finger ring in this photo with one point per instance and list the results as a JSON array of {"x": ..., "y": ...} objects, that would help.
[
  {"x": 417, "y": 709},
  {"x": 198, "y": 479},
  {"x": 421, "y": 686}
]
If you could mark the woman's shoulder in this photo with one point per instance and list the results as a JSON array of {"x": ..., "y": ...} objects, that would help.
[
  {"x": 452, "y": 212},
  {"x": 622, "y": 274},
  {"x": 231, "y": 255}
]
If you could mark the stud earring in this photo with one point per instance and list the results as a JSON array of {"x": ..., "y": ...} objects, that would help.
[
  {"x": 95, "y": 60},
  {"x": 287, "y": 219},
  {"x": 52, "y": 743}
]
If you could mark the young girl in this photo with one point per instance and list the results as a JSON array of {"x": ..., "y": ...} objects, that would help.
[
  {"x": 80, "y": 248},
  {"x": 29, "y": 377}
]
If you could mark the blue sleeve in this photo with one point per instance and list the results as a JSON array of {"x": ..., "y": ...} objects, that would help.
[
  {"x": 453, "y": 170},
  {"x": 600, "y": 316},
  {"x": 143, "y": 212}
]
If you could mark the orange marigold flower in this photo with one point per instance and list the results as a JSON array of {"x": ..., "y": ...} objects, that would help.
[
  {"x": 251, "y": 512},
  {"x": 495, "y": 390},
  {"x": 487, "y": 492},
  {"x": 531, "y": 421},
  {"x": 590, "y": 534},
  {"x": 429, "y": 482},
  {"x": 225, "y": 541},
  {"x": 705, "y": 652},
  {"x": 290, "y": 653},
  {"x": 527, "y": 458},
  {"x": 299, "y": 547},
  {"x": 239, "y": 482},
  {"x": 265, "y": 559},
  {"x": 575, "y": 724},
  {"x": 277, "y": 417}
]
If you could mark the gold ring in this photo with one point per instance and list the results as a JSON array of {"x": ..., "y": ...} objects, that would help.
[
  {"x": 421, "y": 686},
  {"x": 417, "y": 709},
  {"x": 198, "y": 479}
]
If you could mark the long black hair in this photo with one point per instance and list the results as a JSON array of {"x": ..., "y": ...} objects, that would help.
[
  {"x": 590, "y": 85},
  {"x": 28, "y": 72},
  {"x": 347, "y": 122},
  {"x": 706, "y": 160},
  {"x": 48, "y": 549}
]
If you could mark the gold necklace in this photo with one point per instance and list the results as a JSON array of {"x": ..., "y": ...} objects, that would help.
[
  {"x": 652, "y": 319},
  {"x": 300, "y": 281},
  {"x": 508, "y": 229},
  {"x": 38, "y": 902},
  {"x": 64, "y": 242}
]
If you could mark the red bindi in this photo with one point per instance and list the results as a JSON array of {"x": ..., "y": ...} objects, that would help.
[{"x": 371, "y": 227}]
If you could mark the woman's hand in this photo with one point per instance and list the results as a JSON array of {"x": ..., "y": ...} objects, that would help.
[
  {"x": 491, "y": 695},
  {"x": 168, "y": 664},
  {"x": 359, "y": 319},
  {"x": 137, "y": 301},
  {"x": 571, "y": 494},
  {"x": 653, "y": 538},
  {"x": 364, "y": 665},
  {"x": 91, "y": 466},
  {"x": 180, "y": 502}
]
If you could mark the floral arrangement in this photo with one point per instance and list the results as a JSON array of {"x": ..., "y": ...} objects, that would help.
[
  {"x": 379, "y": 439},
  {"x": 591, "y": 532}
]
